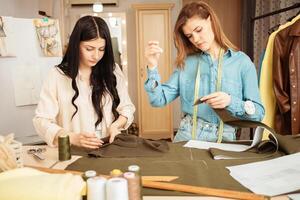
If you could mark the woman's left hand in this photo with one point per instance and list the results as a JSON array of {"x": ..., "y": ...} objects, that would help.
[
  {"x": 113, "y": 130},
  {"x": 217, "y": 100}
]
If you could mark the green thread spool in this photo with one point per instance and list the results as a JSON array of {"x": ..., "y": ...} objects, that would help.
[{"x": 64, "y": 148}]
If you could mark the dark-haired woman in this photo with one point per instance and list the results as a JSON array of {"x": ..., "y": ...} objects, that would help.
[
  {"x": 86, "y": 95},
  {"x": 209, "y": 67}
]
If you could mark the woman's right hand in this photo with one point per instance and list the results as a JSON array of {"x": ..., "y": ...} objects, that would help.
[
  {"x": 86, "y": 140},
  {"x": 152, "y": 53}
]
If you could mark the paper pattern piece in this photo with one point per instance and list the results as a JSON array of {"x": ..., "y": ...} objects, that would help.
[
  {"x": 272, "y": 177},
  {"x": 26, "y": 80},
  {"x": 49, "y": 38},
  {"x": 207, "y": 145}
]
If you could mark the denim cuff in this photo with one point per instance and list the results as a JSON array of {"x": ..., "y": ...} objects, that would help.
[
  {"x": 236, "y": 107},
  {"x": 153, "y": 80}
]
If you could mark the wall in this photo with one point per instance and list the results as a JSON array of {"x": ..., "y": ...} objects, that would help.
[
  {"x": 16, "y": 119},
  {"x": 19, "y": 119}
]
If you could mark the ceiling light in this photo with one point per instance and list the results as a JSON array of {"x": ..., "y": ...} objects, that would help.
[{"x": 97, "y": 7}]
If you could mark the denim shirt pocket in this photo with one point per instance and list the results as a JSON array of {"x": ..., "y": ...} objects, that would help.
[
  {"x": 232, "y": 87},
  {"x": 188, "y": 87}
]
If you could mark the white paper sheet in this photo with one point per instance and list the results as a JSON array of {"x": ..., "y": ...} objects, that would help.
[
  {"x": 26, "y": 78},
  {"x": 228, "y": 147},
  {"x": 294, "y": 196},
  {"x": 207, "y": 145},
  {"x": 273, "y": 177}
]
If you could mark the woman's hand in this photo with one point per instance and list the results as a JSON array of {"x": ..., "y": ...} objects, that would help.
[
  {"x": 113, "y": 130},
  {"x": 152, "y": 53},
  {"x": 86, "y": 140},
  {"x": 217, "y": 100}
]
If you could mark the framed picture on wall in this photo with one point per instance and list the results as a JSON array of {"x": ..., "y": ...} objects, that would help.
[
  {"x": 47, "y": 31},
  {"x": 7, "y": 45}
]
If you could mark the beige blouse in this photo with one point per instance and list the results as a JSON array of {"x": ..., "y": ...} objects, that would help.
[{"x": 54, "y": 111}]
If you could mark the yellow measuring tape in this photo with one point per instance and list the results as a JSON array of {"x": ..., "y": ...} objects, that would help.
[{"x": 196, "y": 94}]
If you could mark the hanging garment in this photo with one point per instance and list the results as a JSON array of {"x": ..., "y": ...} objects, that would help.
[
  {"x": 266, "y": 80},
  {"x": 126, "y": 145},
  {"x": 286, "y": 77}
]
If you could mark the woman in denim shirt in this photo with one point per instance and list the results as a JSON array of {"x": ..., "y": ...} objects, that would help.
[{"x": 200, "y": 41}]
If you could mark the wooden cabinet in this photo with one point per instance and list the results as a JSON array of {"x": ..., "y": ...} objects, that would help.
[{"x": 153, "y": 23}]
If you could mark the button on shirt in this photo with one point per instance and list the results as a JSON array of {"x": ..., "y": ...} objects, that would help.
[{"x": 239, "y": 79}]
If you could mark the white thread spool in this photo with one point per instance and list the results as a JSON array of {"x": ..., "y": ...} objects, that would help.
[
  {"x": 89, "y": 174},
  {"x": 117, "y": 189},
  {"x": 96, "y": 188}
]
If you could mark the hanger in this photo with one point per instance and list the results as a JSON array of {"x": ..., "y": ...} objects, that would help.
[
  {"x": 44, "y": 14},
  {"x": 296, "y": 5},
  {"x": 274, "y": 28}
]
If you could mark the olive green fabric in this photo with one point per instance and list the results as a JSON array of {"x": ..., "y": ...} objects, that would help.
[
  {"x": 263, "y": 149},
  {"x": 289, "y": 143},
  {"x": 126, "y": 145},
  {"x": 193, "y": 166},
  {"x": 252, "y": 154}
]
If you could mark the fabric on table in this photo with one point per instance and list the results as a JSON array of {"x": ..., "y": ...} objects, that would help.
[
  {"x": 289, "y": 144},
  {"x": 193, "y": 167},
  {"x": 126, "y": 145}
]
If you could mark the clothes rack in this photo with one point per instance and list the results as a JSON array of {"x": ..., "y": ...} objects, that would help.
[
  {"x": 251, "y": 25},
  {"x": 297, "y": 5}
]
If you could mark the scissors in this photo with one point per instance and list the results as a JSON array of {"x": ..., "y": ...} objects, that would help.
[{"x": 37, "y": 152}]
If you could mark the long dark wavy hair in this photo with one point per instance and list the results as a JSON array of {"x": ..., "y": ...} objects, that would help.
[{"x": 102, "y": 78}]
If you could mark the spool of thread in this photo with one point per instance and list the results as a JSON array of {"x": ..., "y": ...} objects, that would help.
[
  {"x": 134, "y": 187},
  {"x": 96, "y": 188},
  {"x": 64, "y": 148},
  {"x": 89, "y": 174},
  {"x": 117, "y": 189},
  {"x": 137, "y": 171},
  {"x": 116, "y": 173}
]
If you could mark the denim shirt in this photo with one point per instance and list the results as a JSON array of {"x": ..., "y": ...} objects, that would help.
[{"x": 239, "y": 80}]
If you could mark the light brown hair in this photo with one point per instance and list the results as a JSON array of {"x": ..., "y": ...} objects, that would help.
[{"x": 183, "y": 45}]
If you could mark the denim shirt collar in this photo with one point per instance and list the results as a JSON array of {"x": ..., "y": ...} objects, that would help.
[{"x": 229, "y": 53}]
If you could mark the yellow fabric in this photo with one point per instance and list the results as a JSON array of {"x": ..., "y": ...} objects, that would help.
[
  {"x": 7, "y": 154},
  {"x": 31, "y": 184},
  {"x": 266, "y": 80}
]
